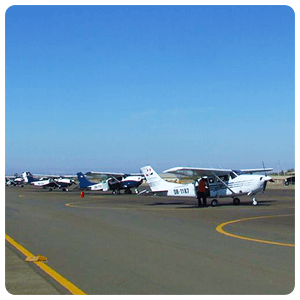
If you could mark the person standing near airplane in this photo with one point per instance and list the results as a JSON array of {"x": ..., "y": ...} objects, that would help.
[{"x": 201, "y": 192}]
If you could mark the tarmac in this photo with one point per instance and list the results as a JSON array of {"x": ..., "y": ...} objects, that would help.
[
  {"x": 146, "y": 245},
  {"x": 24, "y": 278}
]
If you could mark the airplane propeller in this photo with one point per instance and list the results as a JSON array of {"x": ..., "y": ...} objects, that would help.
[
  {"x": 267, "y": 178},
  {"x": 264, "y": 168},
  {"x": 265, "y": 185}
]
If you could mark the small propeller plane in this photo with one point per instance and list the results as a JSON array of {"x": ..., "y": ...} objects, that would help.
[
  {"x": 115, "y": 182},
  {"x": 14, "y": 180},
  {"x": 51, "y": 181},
  {"x": 221, "y": 182},
  {"x": 84, "y": 183}
]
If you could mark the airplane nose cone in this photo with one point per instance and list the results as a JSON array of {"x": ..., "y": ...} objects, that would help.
[
  {"x": 268, "y": 178},
  {"x": 265, "y": 179}
]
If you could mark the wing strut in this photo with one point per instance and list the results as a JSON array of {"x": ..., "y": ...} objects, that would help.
[
  {"x": 115, "y": 178},
  {"x": 224, "y": 184}
]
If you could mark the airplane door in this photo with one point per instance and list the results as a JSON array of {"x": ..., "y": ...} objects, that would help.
[
  {"x": 105, "y": 185},
  {"x": 208, "y": 186},
  {"x": 212, "y": 187}
]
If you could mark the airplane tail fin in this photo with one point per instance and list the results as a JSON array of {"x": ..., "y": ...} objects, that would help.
[
  {"x": 156, "y": 183},
  {"x": 24, "y": 176},
  {"x": 83, "y": 181},
  {"x": 27, "y": 176}
]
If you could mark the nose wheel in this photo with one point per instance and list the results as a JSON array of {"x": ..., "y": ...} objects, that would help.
[{"x": 254, "y": 201}]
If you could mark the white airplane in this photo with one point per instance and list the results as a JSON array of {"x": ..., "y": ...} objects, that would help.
[
  {"x": 115, "y": 182},
  {"x": 221, "y": 182},
  {"x": 55, "y": 181},
  {"x": 14, "y": 180}
]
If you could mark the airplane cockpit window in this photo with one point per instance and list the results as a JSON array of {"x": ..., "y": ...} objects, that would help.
[
  {"x": 232, "y": 175},
  {"x": 238, "y": 172}
]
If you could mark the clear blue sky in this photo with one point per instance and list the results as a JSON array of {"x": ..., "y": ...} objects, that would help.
[{"x": 113, "y": 88}]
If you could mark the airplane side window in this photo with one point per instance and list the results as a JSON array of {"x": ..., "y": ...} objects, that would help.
[
  {"x": 211, "y": 180},
  {"x": 224, "y": 178}
]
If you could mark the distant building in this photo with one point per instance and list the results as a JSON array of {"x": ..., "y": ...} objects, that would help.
[{"x": 287, "y": 179}]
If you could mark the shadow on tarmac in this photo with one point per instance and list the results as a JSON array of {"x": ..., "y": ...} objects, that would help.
[{"x": 260, "y": 203}]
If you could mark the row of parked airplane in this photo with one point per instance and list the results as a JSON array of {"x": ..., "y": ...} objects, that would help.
[
  {"x": 221, "y": 182},
  {"x": 115, "y": 182},
  {"x": 45, "y": 181}
]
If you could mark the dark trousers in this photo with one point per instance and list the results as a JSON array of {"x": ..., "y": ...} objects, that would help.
[{"x": 201, "y": 195}]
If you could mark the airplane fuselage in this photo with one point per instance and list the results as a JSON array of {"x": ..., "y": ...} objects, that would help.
[
  {"x": 116, "y": 185},
  {"x": 60, "y": 183},
  {"x": 130, "y": 182},
  {"x": 43, "y": 183},
  {"x": 240, "y": 185}
]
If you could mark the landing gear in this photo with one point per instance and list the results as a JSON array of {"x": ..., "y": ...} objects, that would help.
[
  {"x": 128, "y": 191},
  {"x": 114, "y": 192},
  {"x": 50, "y": 189},
  {"x": 236, "y": 201},
  {"x": 254, "y": 201},
  {"x": 214, "y": 202}
]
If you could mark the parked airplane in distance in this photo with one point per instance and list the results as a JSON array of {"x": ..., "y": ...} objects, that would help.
[
  {"x": 84, "y": 183},
  {"x": 55, "y": 181},
  {"x": 115, "y": 182},
  {"x": 14, "y": 180},
  {"x": 221, "y": 182}
]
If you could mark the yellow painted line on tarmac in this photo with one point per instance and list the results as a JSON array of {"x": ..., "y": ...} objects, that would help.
[
  {"x": 75, "y": 204},
  {"x": 18, "y": 246},
  {"x": 60, "y": 279},
  {"x": 220, "y": 229}
]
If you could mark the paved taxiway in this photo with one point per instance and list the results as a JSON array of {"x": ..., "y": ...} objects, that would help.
[{"x": 129, "y": 244}]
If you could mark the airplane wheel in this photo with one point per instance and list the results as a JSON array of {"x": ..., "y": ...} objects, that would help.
[
  {"x": 214, "y": 202},
  {"x": 50, "y": 190},
  {"x": 236, "y": 201},
  {"x": 63, "y": 189}
]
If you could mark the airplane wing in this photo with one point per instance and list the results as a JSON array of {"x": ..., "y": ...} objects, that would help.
[
  {"x": 114, "y": 174},
  {"x": 55, "y": 176},
  {"x": 105, "y": 173},
  {"x": 250, "y": 171},
  {"x": 193, "y": 172}
]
